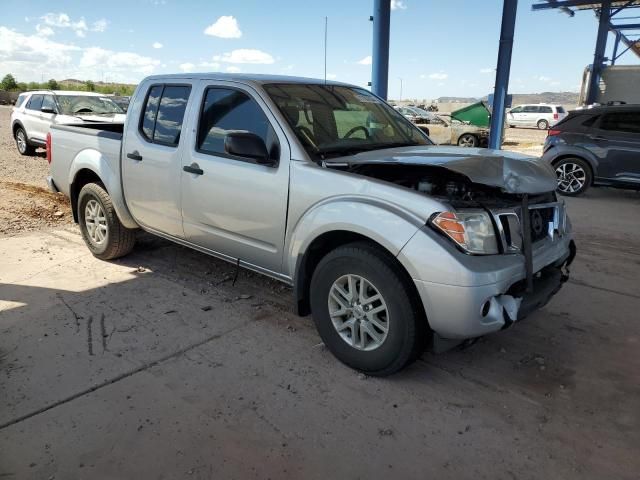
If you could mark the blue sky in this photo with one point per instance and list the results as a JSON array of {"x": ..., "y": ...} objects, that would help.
[{"x": 437, "y": 47}]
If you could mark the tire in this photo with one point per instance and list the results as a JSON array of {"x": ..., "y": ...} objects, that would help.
[
  {"x": 22, "y": 143},
  {"x": 574, "y": 176},
  {"x": 398, "y": 310},
  {"x": 468, "y": 140},
  {"x": 101, "y": 229},
  {"x": 543, "y": 125}
]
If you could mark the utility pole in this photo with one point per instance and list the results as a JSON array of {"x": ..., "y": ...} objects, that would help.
[
  {"x": 326, "y": 21},
  {"x": 380, "y": 59},
  {"x": 400, "y": 99}
]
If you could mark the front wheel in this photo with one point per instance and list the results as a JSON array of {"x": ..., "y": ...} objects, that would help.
[
  {"x": 101, "y": 229},
  {"x": 364, "y": 310},
  {"x": 574, "y": 176},
  {"x": 543, "y": 125},
  {"x": 468, "y": 140}
]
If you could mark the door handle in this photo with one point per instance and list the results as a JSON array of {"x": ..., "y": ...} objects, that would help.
[
  {"x": 193, "y": 168},
  {"x": 134, "y": 156}
]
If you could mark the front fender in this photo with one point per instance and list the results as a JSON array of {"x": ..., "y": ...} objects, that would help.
[
  {"x": 387, "y": 224},
  {"x": 101, "y": 165}
]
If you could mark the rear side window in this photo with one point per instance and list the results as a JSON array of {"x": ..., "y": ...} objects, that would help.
[
  {"x": 590, "y": 121},
  {"x": 546, "y": 110},
  {"x": 48, "y": 102},
  {"x": 226, "y": 110},
  {"x": 560, "y": 109},
  {"x": 20, "y": 100},
  {"x": 163, "y": 113},
  {"x": 531, "y": 109},
  {"x": 628, "y": 122},
  {"x": 35, "y": 103}
]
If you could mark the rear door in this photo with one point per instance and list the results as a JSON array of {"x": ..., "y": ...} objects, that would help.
[
  {"x": 529, "y": 115},
  {"x": 236, "y": 207},
  {"x": 619, "y": 134},
  {"x": 45, "y": 119},
  {"x": 151, "y": 156}
]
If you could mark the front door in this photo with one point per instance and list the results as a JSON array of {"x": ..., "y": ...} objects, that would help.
[
  {"x": 151, "y": 157},
  {"x": 235, "y": 206}
]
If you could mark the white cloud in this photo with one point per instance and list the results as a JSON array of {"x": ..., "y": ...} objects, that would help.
[
  {"x": 487, "y": 70},
  {"x": 398, "y": 5},
  {"x": 44, "y": 30},
  {"x": 29, "y": 53},
  {"x": 210, "y": 65},
  {"x": 157, "y": 45},
  {"x": 542, "y": 78},
  {"x": 366, "y": 60},
  {"x": 245, "y": 55},
  {"x": 331, "y": 76},
  {"x": 232, "y": 69},
  {"x": 62, "y": 20},
  {"x": 99, "y": 25},
  {"x": 225, "y": 27},
  {"x": 438, "y": 76},
  {"x": 187, "y": 67},
  {"x": 117, "y": 61}
]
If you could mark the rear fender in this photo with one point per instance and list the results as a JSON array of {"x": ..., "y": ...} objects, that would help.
[
  {"x": 558, "y": 152},
  {"x": 100, "y": 165}
]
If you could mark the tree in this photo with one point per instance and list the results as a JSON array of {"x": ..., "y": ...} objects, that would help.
[
  {"x": 90, "y": 86},
  {"x": 52, "y": 84},
  {"x": 8, "y": 82}
]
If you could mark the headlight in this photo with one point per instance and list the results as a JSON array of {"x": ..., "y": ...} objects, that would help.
[{"x": 471, "y": 230}]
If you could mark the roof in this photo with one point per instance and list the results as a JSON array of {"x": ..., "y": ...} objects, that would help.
[
  {"x": 608, "y": 108},
  {"x": 246, "y": 78},
  {"x": 67, "y": 92}
]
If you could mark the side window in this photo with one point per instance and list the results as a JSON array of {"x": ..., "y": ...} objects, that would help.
[
  {"x": 516, "y": 110},
  {"x": 531, "y": 109},
  {"x": 35, "y": 103},
  {"x": 546, "y": 110},
  {"x": 20, "y": 101},
  {"x": 47, "y": 102},
  {"x": 628, "y": 122},
  {"x": 164, "y": 113},
  {"x": 225, "y": 110},
  {"x": 590, "y": 121},
  {"x": 560, "y": 109}
]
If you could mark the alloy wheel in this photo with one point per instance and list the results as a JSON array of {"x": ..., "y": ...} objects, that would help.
[
  {"x": 358, "y": 312},
  {"x": 21, "y": 140},
  {"x": 96, "y": 222},
  {"x": 571, "y": 177}
]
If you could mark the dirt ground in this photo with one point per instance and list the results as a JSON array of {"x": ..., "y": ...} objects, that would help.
[{"x": 159, "y": 366}]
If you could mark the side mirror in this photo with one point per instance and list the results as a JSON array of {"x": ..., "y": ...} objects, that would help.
[
  {"x": 248, "y": 145},
  {"x": 47, "y": 110}
]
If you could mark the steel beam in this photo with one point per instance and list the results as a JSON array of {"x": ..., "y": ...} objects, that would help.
[
  {"x": 604, "y": 23},
  {"x": 563, "y": 4},
  {"x": 614, "y": 56},
  {"x": 509, "y": 9},
  {"x": 380, "y": 57},
  {"x": 625, "y": 26}
]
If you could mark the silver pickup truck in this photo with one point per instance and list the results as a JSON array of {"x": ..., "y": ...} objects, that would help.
[{"x": 392, "y": 243}]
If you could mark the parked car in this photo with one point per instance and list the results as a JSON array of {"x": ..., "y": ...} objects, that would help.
[
  {"x": 540, "y": 115},
  {"x": 36, "y": 111},
  {"x": 122, "y": 102},
  {"x": 390, "y": 242},
  {"x": 596, "y": 146},
  {"x": 445, "y": 130},
  {"x": 413, "y": 114}
]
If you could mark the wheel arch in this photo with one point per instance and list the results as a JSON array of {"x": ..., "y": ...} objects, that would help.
[{"x": 16, "y": 125}]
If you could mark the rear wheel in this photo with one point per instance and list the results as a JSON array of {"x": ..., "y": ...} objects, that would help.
[
  {"x": 574, "y": 176},
  {"x": 364, "y": 310},
  {"x": 543, "y": 125},
  {"x": 468, "y": 140},
  {"x": 101, "y": 229},
  {"x": 22, "y": 143}
]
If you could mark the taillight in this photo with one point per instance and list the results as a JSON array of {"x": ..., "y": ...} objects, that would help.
[
  {"x": 552, "y": 132},
  {"x": 555, "y": 116},
  {"x": 48, "y": 144}
]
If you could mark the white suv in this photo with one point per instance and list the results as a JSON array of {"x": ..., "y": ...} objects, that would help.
[
  {"x": 34, "y": 112},
  {"x": 541, "y": 115}
]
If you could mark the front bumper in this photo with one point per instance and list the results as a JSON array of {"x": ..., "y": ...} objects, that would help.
[{"x": 462, "y": 309}]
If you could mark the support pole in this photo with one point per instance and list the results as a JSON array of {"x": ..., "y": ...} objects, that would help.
[
  {"x": 380, "y": 60},
  {"x": 509, "y": 9},
  {"x": 598, "y": 55},
  {"x": 614, "y": 56}
]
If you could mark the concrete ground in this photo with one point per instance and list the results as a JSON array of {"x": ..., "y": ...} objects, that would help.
[{"x": 157, "y": 366}]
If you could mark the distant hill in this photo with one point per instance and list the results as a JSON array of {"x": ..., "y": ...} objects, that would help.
[
  {"x": 76, "y": 82},
  {"x": 561, "y": 98}
]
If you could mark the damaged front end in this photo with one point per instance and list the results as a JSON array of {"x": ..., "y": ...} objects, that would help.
[{"x": 497, "y": 205}]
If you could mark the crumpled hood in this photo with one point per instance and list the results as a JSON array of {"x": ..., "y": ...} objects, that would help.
[{"x": 509, "y": 171}]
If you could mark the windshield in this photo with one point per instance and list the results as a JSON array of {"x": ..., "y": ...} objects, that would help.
[
  {"x": 87, "y": 104},
  {"x": 334, "y": 120}
]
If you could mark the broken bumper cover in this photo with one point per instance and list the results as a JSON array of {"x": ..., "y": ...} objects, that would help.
[{"x": 457, "y": 313}]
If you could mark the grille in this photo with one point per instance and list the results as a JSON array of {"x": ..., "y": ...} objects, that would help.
[{"x": 539, "y": 219}]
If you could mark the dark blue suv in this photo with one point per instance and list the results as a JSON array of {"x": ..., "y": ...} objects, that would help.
[{"x": 596, "y": 146}]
